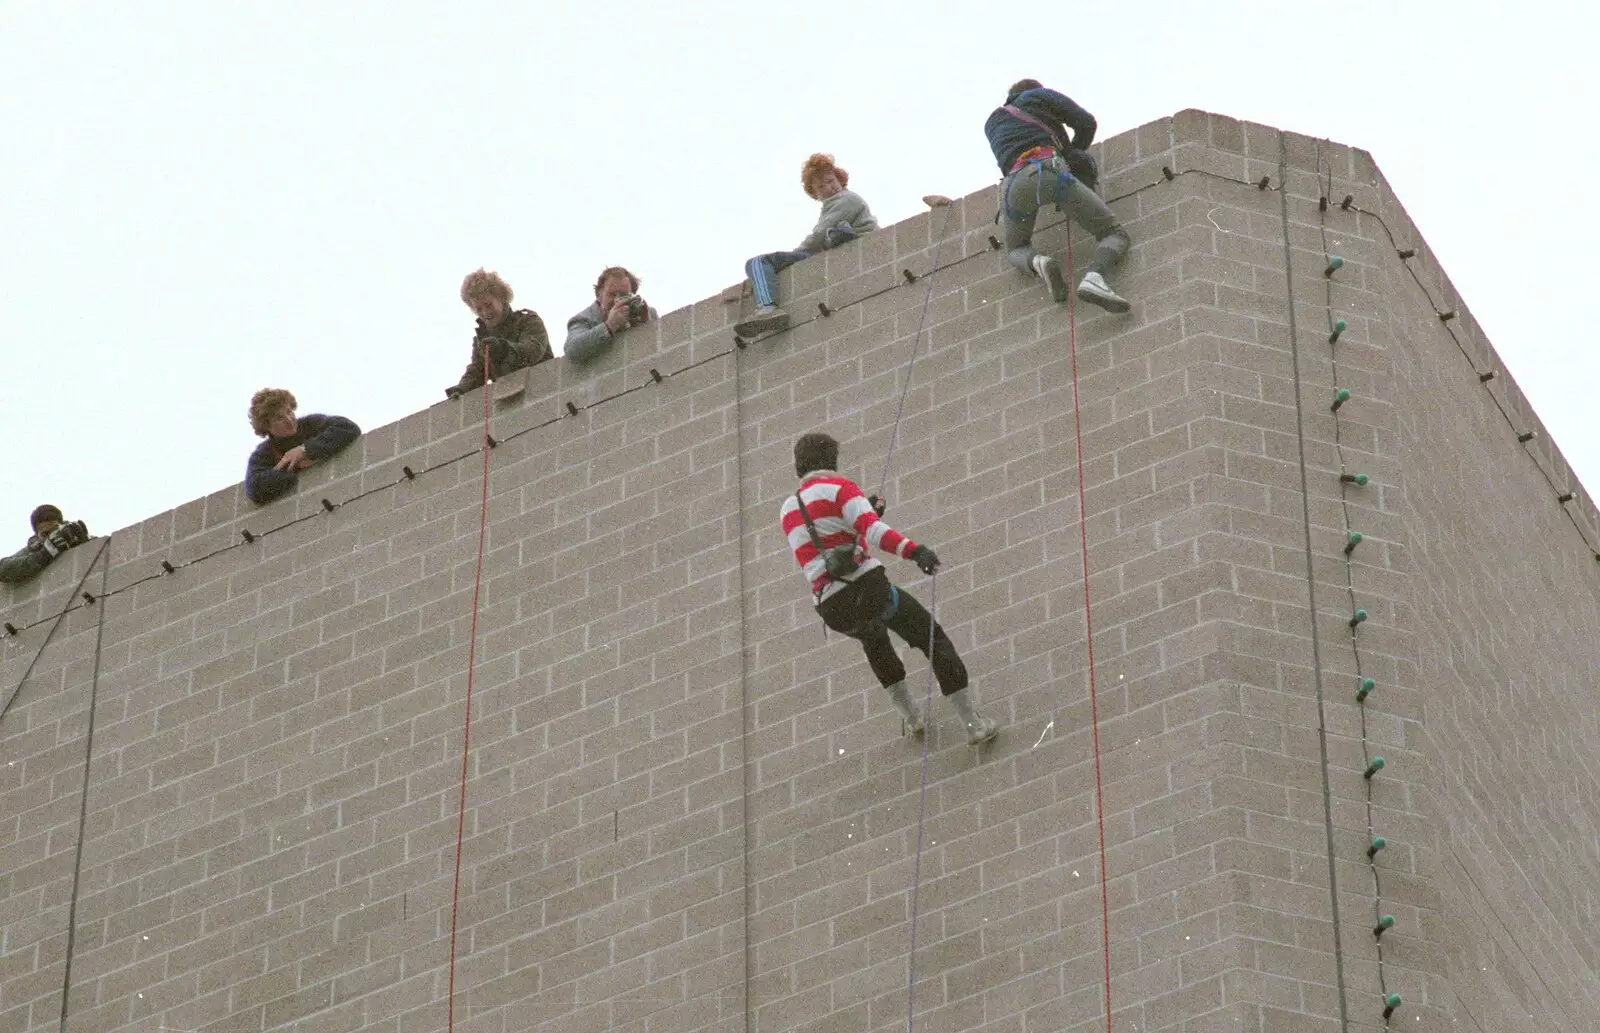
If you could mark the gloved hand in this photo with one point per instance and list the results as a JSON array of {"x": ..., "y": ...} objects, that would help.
[
  {"x": 840, "y": 234},
  {"x": 877, "y": 504},
  {"x": 77, "y": 532},
  {"x": 48, "y": 546},
  {"x": 1084, "y": 168},
  {"x": 925, "y": 560},
  {"x": 452, "y": 393},
  {"x": 60, "y": 539}
]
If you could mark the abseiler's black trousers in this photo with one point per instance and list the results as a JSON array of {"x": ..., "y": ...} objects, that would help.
[{"x": 862, "y": 610}]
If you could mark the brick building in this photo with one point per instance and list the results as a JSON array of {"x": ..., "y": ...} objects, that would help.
[{"x": 686, "y": 810}]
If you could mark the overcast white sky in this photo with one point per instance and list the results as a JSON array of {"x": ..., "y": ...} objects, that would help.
[{"x": 198, "y": 199}]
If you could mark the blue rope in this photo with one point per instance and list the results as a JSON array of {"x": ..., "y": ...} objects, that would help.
[
  {"x": 922, "y": 798},
  {"x": 916, "y": 342}
]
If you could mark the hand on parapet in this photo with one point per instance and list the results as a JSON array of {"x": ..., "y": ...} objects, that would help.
[{"x": 291, "y": 460}]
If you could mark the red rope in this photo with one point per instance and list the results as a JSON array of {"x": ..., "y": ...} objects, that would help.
[
  {"x": 1088, "y": 625},
  {"x": 466, "y": 733}
]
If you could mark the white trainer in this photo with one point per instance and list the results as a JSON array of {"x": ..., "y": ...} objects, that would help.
[
  {"x": 1049, "y": 271},
  {"x": 1093, "y": 289},
  {"x": 766, "y": 319}
]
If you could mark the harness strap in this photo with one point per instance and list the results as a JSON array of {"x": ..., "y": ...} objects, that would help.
[{"x": 1037, "y": 123}]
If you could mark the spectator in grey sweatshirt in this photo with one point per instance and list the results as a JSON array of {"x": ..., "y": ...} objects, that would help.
[
  {"x": 845, "y": 216},
  {"x": 616, "y": 307}
]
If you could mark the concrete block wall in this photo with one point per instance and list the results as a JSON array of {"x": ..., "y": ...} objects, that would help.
[{"x": 686, "y": 809}]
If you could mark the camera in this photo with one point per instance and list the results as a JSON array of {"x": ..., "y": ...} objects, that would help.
[
  {"x": 638, "y": 311},
  {"x": 840, "y": 561}
]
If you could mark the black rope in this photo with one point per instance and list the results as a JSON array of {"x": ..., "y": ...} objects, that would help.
[
  {"x": 83, "y": 796},
  {"x": 1311, "y": 587},
  {"x": 76, "y": 594}
]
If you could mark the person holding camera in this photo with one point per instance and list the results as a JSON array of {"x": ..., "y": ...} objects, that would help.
[
  {"x": 845, "y": 216},
  {"x": 830, "y": 525},
  {"x": 507, "y": 339},
  {"x": 1041, "y": 165},
  {"x": 52, "y": 535},
  {"x": 616, "y": 307}
]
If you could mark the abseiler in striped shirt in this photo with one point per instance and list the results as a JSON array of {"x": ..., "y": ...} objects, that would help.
[{"x": 843, "y": 515}]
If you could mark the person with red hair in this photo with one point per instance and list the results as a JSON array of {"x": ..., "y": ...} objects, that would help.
[{"x": 844, "y": 217}]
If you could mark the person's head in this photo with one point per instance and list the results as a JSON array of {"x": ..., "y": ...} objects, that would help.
[
  {"x": 815, "y": 451},
  {"x": 1022, "y": 86},
  {"x": 822, "y": 178},
  {"x": 272, "y": 413},
  {"x": 487, "y": 295},
  {"x": 45, "y": 518},
  {"x": 613, "y": 283}
]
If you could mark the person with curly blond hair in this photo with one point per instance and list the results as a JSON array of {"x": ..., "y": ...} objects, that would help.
[
  {"x": 293, "y": 443},
  {"x": 506, "y": 339},
  {"x": 844, "y": 217}
]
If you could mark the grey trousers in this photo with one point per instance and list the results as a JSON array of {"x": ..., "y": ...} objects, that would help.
[{"x": 1037, "y": 184}]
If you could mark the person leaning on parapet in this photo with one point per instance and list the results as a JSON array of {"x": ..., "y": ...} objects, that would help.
[
  {"x": 1041, "y": 165},
  {"x": 845, "y": 216},
  {"x": 52, "y": 535},
  {"x": 511, "y": 338},
  {"x": 830, "y": 525},
  {"x": 293, "y": 443},
  {"x": 616, "y": 307}
]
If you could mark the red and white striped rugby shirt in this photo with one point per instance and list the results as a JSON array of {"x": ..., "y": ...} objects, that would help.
[{"x": 842, "y": 515}]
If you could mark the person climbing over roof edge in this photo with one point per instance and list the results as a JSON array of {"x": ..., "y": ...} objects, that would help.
[
  {"x": 1041, "y": 165},
  {"x": 845, "y": 216},
  {"x": 830, "y": 525}
]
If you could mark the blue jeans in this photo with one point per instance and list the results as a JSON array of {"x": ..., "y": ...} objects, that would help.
[
  {"x": 763, "y": 272},
  {"x": 1036, "y": 184}
]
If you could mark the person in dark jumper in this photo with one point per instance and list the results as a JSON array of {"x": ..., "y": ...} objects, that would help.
[
  {"x": 293, "y": 443},
  {"x": 52, "y": 535},
  {"x": 1043, "y": 166},
  {"x": 509, "y": 338}
]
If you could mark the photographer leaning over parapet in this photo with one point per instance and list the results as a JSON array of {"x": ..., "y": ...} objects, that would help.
[
  {"x": 511, "y": 338},
  {"x": 52, "y": 535},
  {"x": 617, "y": 306},
  {"x": 1041, "y": 165},
  {"x": 293, "y": 443}
]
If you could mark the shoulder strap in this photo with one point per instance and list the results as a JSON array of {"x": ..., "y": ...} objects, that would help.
[
  {"x": 811, "y": 528},
  {"x": 1055, "y": 138}
]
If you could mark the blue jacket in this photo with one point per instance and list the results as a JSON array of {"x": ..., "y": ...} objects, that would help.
[
  {"x": 322, "y": 436},
  {"x": 1009, "y": 136}
]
